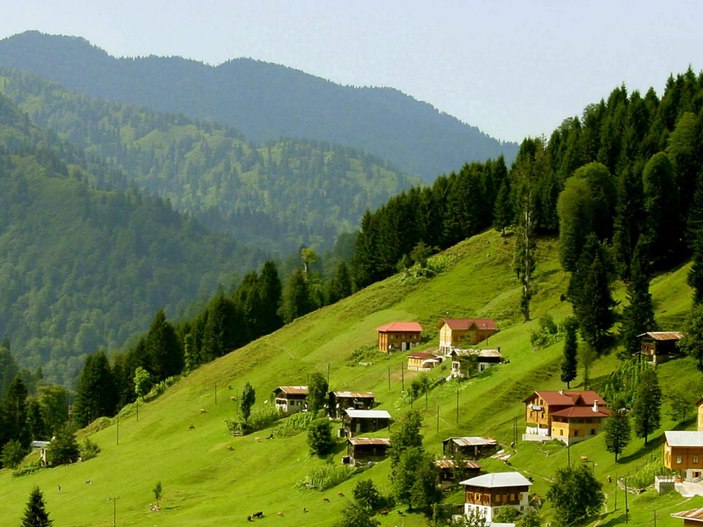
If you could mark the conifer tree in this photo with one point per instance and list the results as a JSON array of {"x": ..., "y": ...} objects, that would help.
[
  {"x": 569, "y": 362},
  {"x": 97, "y": 393},
  {"x": 340, "y": 285},
  {"x": 296, "y": 297},
  {"x": 638, "y": 315},
  {"x": 35, "y": 514},
  {"x": 247, "y": 401},
  {"x": 270, "y": 291},
  {"x": 14, "y": 408},
  {"x": 695, "y": 274},
  {"x": 163, "y": 349},
  {"x": 646, "y": 407},
  {"x": 617, "y": 430},
  {"x": 628, "y": 220},
  {"x": 503, "y": 213}
]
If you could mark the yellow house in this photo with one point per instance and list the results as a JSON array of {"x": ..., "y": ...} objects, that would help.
[
  {"x": 399, "y": 336},
  {"x": 683, "y": 452},
  {"x": 459, "y": 332}
]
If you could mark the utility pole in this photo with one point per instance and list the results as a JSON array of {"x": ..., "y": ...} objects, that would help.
[
  {"x": 457, "y": 404},
  {"x": 389, "y": 378},
  {"x": 118, "y": 429},
  {"x": 114, "y": 499},
  {"x": 626, "y": 509},
  {"x": 137, "y": 409},
  {"x": 215, "y": 394},
  {"x": 402, "y": 379},
  {"x": 328, "y": 374},
  {"x": 438, "y": 418}
]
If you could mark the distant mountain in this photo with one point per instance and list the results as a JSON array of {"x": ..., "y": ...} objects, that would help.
[
  {"x": 276, "y": 196},
  {"x": 82, "y": 269},
  {"x": 264, "y": 101}
]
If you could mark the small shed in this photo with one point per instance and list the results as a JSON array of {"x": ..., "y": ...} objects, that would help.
[
  {"x": 42, "y": 447},
  {"x": 291, "y": 399},
  {"x": 446, "y": 468},
  {"x": 344, "y": 399},
  {"x": 659, "y": 346},
  {"x": 485, "y": 358},
  {"x": 399, "y": 336},
  {"x": 367, "y": 449},
  {"x": 470, "y": 447},
  {"x": 692, "y": 517},
  {"x": 357, "y": 422},
  {"x": 423, "y": 361}
]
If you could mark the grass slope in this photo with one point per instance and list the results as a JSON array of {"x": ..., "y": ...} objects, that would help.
[{"x": 213, "y": 479}]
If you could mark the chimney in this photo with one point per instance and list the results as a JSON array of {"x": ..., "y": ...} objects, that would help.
[{"x": 595, "y": 406}]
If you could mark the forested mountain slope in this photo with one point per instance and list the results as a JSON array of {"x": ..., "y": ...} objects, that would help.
[
  {"x": 82, "y": 268},
  {"x": 276, "y": 196},
  {"x": 264, "y": 101}
]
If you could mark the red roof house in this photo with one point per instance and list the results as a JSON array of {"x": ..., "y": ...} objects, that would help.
[{"x": 399, "y": 336}]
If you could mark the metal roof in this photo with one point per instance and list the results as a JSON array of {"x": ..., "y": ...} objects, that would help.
[
  {"x": 367, "y": 414},
  {"x": 357, "y": 395},
  {"x": 449, "y": 464},
  {"x": 663, "y": 335},
  {"x": 498, "y": 479},
  {"x": 684, "y": 438},
  {"x": 293, "y": 390},
  {"x": 472, "y": 441},
  {"x": 382, "y": 441},
  {"x": 691, "y": 514}
]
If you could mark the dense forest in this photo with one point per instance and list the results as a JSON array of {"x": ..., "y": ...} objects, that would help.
[
  {"x": 276, "y": 197},
  {"x": 82, "y": 268},
  {"x": 264, "y": 101}
]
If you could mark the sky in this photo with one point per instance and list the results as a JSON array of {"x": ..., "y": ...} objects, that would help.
[{"x": 512, "y": 68}]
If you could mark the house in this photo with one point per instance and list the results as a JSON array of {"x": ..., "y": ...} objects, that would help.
[
  {"x": 42, "y": 447},
  {"x": 422, "y": 361},
  {"x": 357, "y": 422},
  {"x": 291, "y": 399},
  {"x": 490, "y": 492},
  {"x": 469, "y": 447},
  {"x": 463, "y": 358},
  {"x": 399, "y": 336},
  {"x": 341, "y": 400},
  {"x": 569, "y": 416},
  {"x": 692, "y": 517},
  {"x": 362, "y": 450},
  {"x": 445, "y": 467},
  {"x": 659, "y": 346},
  {"x": 457, "y": 332},
  {"x": 683, "y": 452}
]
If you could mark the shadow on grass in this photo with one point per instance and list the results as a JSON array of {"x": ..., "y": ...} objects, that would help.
[
  {"x": 654, "y": 444},
  {"x": 614, "y": 518}
]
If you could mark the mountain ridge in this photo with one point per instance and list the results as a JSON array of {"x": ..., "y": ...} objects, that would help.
[{"x": 264, "y": 101}]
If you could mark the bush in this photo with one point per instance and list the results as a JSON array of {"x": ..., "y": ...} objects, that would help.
[
  {"x": 12, "y": 454},
  {"x": 63, "y": 448},
  {"x": 325, "y": 477},
  {"x": 320, "y": 438},
  {"x": 88, "y": 449}
]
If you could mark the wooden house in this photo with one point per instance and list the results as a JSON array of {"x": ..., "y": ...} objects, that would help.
[
  {"x": 659, "y": 346},
  {"x": 569, "y": 416},
  {"x": 691, "y": 517},
  {"x": 683, "y": 452},
  {"x": 361, "y": 450},
  {"x": 422, "y": 361},
  {"x": 462, "y": 332},
  {"x": 340, "y": 401},
  {"x": 469, "y": 447},
  {"x": 488, "y": 493},
  {"x": 357, "y": 422},
  {"x": 482, "y": 358},
  {"x": 399, "y": 336},
  {"x": 446, "y": 468},
  {"x": 291, "y": 399}
]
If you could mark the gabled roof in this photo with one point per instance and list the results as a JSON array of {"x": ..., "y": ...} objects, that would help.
[
  {"x": 367, "y": 414},
  {"x": 379, "y": 441},
  {"x": 581, "y": 411},
  {"x": 422, "y": 355},
  {"x": 401, "y": 327},
  {"x": 448, "y": 464},
  {"x": 568, "y": 398},
  {"x": 662, "y": 335},
  {"x": 471, "y": 441},
  {"x": 498, "y": 479},
  {"x": 464, "y": 324},
  {"x": 292, "y": 390},
  {"x": 683, "y": 438},
  {"x": 695, "y": 515},
  {"x": 355, "y": 395}
]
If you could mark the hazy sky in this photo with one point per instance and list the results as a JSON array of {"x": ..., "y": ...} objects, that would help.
[{"x": 513, "y": 68}]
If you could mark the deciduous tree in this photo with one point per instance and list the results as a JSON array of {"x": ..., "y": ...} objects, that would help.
[
  {"x": 576, "y": 495},
  {"x": 617, "y": 430},
  {"x": 247, "y": 401},
  {"x": 317, "y": 392},
  {"x": 647, "y": 404}
]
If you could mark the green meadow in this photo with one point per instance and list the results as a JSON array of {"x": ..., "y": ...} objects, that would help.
[{"x": 211, "y": 478}]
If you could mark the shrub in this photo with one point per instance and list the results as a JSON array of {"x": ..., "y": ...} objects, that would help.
[
  {"x": 12, "y": 454},
  {"x": 320, "y": 438},
  {"x": 325, "y": 477},
  {"x": 89, "y": 449}
]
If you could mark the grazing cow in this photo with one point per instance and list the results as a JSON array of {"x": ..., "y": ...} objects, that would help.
[
  {"x": 326, "y": 500},
  {"x": 340, "y": 494},
  {"x": 203, "y": 411},
  {"x": 259, "y": 514},
  {"x": 305, "y": 509},
  {"x": 279, "y": 513},
  {"x": 191, "y": 427}
]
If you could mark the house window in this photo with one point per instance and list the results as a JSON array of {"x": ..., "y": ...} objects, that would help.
[
  {"x": 695, "y": 459},
  {"x": 679, "y": 460},
  {"x": 593, "y": 431},
  {"x": 576, "y": 432}
]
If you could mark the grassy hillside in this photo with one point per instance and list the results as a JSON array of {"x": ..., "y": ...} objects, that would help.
[{"x": 213, "y": 479}]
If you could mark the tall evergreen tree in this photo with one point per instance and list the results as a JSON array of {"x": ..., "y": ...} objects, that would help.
[
  {"x": 35, "y": 514},
  {"x": 340, "y": 285},
  {"x": 627, "y": 227},
  {"x": 96, "y": 395},
  {"x": 15, "y": 411},
  {"x": 270, "y": 291},
  {"x": 503, "y": 213},
  {"x": 247, "y": 401},
  {"x": 569, "y": 362},
  {"x": 8, "y": 368},
  {"x": 646, "y": 407},
  {"x": 617, "y": 430},
  {"x": 695, "y": 274},
  {"x": 638, "y": 315},
  {"x": 163, "y": 349},
  {"x": 589, "y": 293},
  {"x": 296, "y": 297}
]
